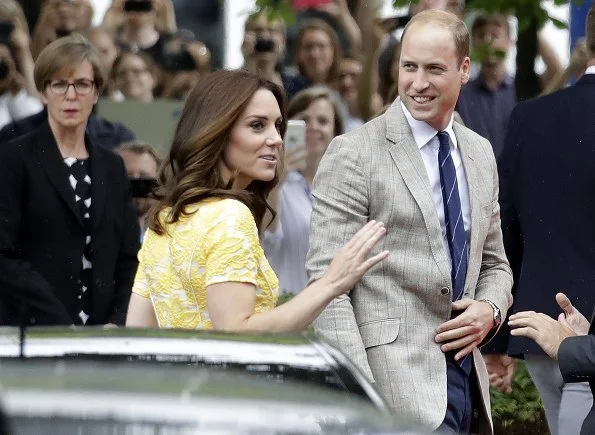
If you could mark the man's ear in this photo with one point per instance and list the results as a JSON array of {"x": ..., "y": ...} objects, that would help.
[{"x": 465, "y": 70}]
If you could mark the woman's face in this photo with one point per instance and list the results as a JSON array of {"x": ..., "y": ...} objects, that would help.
[
  {"x": 106, "y": 47},
  {"x": 350, "y": 71},
  {"x": 320, "y": 127},
  {"x": 72, "y": 109},
  {"x": 255, "y": 141},
  {"x": 316, "y": 54},
  {"x": 134, "y": 79}
]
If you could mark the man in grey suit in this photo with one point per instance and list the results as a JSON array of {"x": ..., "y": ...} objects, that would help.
[{"x": 413, "y": 324}]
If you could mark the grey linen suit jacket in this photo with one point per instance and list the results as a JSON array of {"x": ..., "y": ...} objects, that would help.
[{"x": 387, "y": 324}]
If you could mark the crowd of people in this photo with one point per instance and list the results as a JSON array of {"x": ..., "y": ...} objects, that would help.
[{"x": 420, "y": 202}]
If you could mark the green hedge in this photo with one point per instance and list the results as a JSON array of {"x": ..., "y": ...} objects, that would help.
[{"x": 521, "y": 411}]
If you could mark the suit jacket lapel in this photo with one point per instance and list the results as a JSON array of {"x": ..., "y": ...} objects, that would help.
[
  {"x": 406, "y": 155},
  {"x": 50, "y": 159},
  {"x": 473, "y": 180},
  {"x": 99, "y": 187}
]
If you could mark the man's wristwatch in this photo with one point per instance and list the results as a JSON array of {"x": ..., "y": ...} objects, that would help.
[{"x": 496, "y": 311}]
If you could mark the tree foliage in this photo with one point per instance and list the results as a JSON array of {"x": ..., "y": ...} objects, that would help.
[{"x": 525, "y": 10}]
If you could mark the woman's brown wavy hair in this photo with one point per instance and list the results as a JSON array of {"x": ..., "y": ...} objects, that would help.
[{"x": 192, "y": 172}]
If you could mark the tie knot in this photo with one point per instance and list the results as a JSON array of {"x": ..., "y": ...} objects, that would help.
[{"x": 444, "y": 140}]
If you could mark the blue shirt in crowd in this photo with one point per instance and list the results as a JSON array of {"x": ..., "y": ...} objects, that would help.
[{"x": 486, "y": 111}]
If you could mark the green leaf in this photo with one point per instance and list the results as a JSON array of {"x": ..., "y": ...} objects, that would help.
[
  {"x": 558, "y": 23},
  {"x": 403, "y": 3}
]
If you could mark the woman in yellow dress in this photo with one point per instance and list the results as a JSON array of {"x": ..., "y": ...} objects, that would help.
[{"x": 201, "y": 263}]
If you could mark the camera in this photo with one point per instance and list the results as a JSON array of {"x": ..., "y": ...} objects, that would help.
[
  {"x": 4, "y": 69},
  {"x": 6, "y": 29},
  {"x": 142, "y": 187},
  {"x": 138, "y": 6},
  {"x": 263, "y": 45}
]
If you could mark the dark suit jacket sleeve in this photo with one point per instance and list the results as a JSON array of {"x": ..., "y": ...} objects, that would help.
[
  {"x": 576, "y": 358},
  {"x": 22, "y": 289},
  {"x": 127, "y": 256},
  {"x": 511, "y": 231}
]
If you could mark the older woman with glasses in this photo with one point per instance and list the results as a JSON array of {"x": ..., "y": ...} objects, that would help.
[{"x": 68, "y": 230}]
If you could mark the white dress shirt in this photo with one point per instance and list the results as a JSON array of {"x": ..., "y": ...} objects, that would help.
[
  {"x": 428, "y": 143},
  {"x": 590, "y": 70},
  {"x": 19, "y": 106},
  {"x": 286, "y": 248}
]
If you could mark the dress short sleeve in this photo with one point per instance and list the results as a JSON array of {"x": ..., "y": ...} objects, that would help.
[
  {"x": 232, "y": 245},
  {"x": 141, "y": 284}
]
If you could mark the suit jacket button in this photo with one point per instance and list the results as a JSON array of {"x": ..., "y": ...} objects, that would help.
[{"x": 445, "y": 291}]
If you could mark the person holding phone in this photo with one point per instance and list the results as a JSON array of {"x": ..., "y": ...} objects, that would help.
[
  {"x": 285, "y": 241},
  {"x": 59, "y": 18},
  {"x": 263, "y": 46},
  {"x": 136, "y": 25},
  {"x": 18, "y": 95},
  {"x": 201, "y": 263}
]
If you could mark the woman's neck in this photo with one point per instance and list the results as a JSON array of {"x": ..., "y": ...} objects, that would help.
[
  {"x": 318, "y": 78},
  {"x": 263, "y": 68},
  {"x": 71, "y": 141},
  {"x": 310, "y": 171}
]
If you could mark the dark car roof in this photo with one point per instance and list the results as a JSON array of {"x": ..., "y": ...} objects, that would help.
[
  {"x": 67, "y": 394},
  {"x": 297, "y": 357}
]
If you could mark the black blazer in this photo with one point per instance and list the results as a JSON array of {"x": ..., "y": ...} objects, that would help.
[
  {"x": 576, "y": 358},
  {"x": 547, "y": 199},
  {"x": 42, "y": 236}
]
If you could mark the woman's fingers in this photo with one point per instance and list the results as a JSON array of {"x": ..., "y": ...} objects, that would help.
[
  {"x": 374, "y": 238},
  {"x": 373, "y": 261},
  {"x": 363, "y": 235}
]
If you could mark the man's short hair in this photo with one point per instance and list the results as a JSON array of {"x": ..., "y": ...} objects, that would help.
[
  {"x": 484, "y": 19},
  {"x": 139, "y": 147},
  {"x": 456, "y": 26}
]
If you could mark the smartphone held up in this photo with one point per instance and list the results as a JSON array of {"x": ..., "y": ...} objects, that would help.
[{"x": 295, "y": 135}]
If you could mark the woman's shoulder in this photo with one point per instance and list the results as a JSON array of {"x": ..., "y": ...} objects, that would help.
[{"x": 226, "y": 207}]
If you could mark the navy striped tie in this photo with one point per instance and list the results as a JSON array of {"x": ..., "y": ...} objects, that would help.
[{"x": 455, "y": 229}]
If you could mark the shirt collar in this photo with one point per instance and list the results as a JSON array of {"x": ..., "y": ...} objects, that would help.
[
  {"x": 423, "y": 133},
  {"x": 590, "y": 70}
]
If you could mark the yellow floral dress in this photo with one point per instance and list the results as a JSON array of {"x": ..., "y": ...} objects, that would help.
[{"x": 218, "y": 242}]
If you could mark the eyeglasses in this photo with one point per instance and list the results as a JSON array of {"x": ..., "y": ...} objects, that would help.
[{"x": 81, "y": 87}]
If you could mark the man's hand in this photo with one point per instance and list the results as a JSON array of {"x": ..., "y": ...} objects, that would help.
[
  {"x": 545, "y": 331},
  {"x": 468, "y": 329},
  {"x": 501, "y": 369},
  {"x": 571, "y": 317}
]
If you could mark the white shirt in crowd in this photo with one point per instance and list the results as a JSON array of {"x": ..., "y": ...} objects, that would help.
[
  {"x": 19, "y": 106},
  {"x": 287, "y": 246}
]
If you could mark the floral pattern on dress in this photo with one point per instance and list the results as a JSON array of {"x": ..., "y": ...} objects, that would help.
[{"x": 217, "y": 242}]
